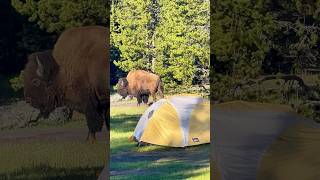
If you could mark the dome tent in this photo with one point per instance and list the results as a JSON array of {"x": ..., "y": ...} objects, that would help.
[
  {"x": 179, "y": 121},
  {"x": 263, "y": 141}
]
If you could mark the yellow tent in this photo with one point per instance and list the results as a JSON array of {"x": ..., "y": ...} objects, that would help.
[{"x": 177, "y": 122}]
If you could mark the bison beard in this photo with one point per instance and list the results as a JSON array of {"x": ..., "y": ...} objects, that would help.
[{"x": 79, "y": 79}]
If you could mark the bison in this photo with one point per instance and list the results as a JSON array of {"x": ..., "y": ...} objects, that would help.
[
  {"x": 74, "y": 74},
  {"x": 140, "y": 84}
]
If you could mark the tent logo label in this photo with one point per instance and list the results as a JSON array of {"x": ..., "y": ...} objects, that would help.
[{"x": 195, "y": 140}]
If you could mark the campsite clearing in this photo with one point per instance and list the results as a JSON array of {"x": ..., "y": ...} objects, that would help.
[
  {"x": 150, "y": 162},
  {"x": 51, "y": 152}
]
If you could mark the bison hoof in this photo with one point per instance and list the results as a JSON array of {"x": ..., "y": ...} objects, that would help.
[{"x": 91, "y": 138}]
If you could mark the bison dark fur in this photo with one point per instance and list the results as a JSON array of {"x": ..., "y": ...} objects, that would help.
[
  {"x": 140, "y": 84},
  {"x": 75, "y": 74}
]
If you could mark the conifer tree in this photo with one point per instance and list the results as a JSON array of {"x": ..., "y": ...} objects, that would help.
[
  {"x": 170, "y": 38},
  {"x": 55, "y": 16},
  {"x": 130, "y": 33}
]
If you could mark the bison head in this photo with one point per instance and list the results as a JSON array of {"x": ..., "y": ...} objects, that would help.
[
  {"x": 39, "y": 76},
  {"x": 122, "y": 87}
]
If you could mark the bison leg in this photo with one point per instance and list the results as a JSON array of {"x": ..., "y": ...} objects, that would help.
[
  {"x": 91, "y": 138},
  {"x": 94, "y": 122},
  {"x": 139, "y": 99},
  {"x": 145, "y": 98}
]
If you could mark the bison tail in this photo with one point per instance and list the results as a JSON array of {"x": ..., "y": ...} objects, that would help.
[{"x": 160, "y": 89}]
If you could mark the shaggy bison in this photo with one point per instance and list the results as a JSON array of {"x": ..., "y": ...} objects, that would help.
[
  {"x": 75, "y": 74},
  {"x": 140, "y": 84}
]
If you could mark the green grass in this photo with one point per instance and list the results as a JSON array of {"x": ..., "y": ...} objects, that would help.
[
  {"x": 53, "y": 159},
  {"x": 33, "y": 160},
  {"x": 123, "y": 122},
  {"x": 73, "y": 123},
  {"x": 164, "y": 170},
  {"x": 43, "y": 125}
]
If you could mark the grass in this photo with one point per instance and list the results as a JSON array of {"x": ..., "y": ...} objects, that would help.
[
  {"x": 51, "y": 160},
  {"x": 66, "y": 159},
  {"x": 169, "y": 170},
  {"x": 123, "y": 122},
  {"x": 75, "y": 122}
]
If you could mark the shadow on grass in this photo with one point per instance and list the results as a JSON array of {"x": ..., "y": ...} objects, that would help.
[
  {"x": 51, "y": 173},
  {"x": 122, "y": 127},
  {"x": 124, "y": 123},
  {"x": 159, "y": 170},
  {"x": 157, "y": 162}
]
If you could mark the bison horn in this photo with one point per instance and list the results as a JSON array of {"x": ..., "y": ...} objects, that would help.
[{"x": 40, "y": 67}]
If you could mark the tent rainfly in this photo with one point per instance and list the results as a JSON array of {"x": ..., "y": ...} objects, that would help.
[
  {"x": 179, "y": 121},
  {"x": 259, "y": 141}
]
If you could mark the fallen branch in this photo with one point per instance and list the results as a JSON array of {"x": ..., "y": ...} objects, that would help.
[{"x": 314, "y": 95}]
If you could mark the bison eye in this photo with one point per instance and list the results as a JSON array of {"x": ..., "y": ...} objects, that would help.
[{"x": 36, "y": 82}]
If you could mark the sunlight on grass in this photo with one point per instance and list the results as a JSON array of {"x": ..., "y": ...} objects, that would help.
[
  {"x": 51, "y": 159},
  {"x": 123, "y": 122},
  {"x": 127, "y": 110},
  {"x": 74, "y": 159},
  {"x": 150, "y": 148},
  {"x": 162, "y": 170},
  {"x": 203, "y": 174}
]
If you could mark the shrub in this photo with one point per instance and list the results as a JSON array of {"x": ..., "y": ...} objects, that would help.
[{"x": 16, "y": 83}]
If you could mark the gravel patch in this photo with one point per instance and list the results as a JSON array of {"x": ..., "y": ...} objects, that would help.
[{"x": 21, "y": 114}]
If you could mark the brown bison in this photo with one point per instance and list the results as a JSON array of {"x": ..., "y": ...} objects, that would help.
[
  {"x": 140, "y": 84},
  {"x": 74, "y": 74}
]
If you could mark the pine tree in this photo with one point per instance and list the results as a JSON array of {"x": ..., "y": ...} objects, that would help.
[
  {"x": 241, "y": 34},
  {"x": 130, "y": 20},
  {"x": 170, "y": 38},
  {"x": 297, "y": 38},
  {"x": 182, "y": 40},
  {"x": 250, "y": 39},
  {"x": 55, "y": 16}
]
